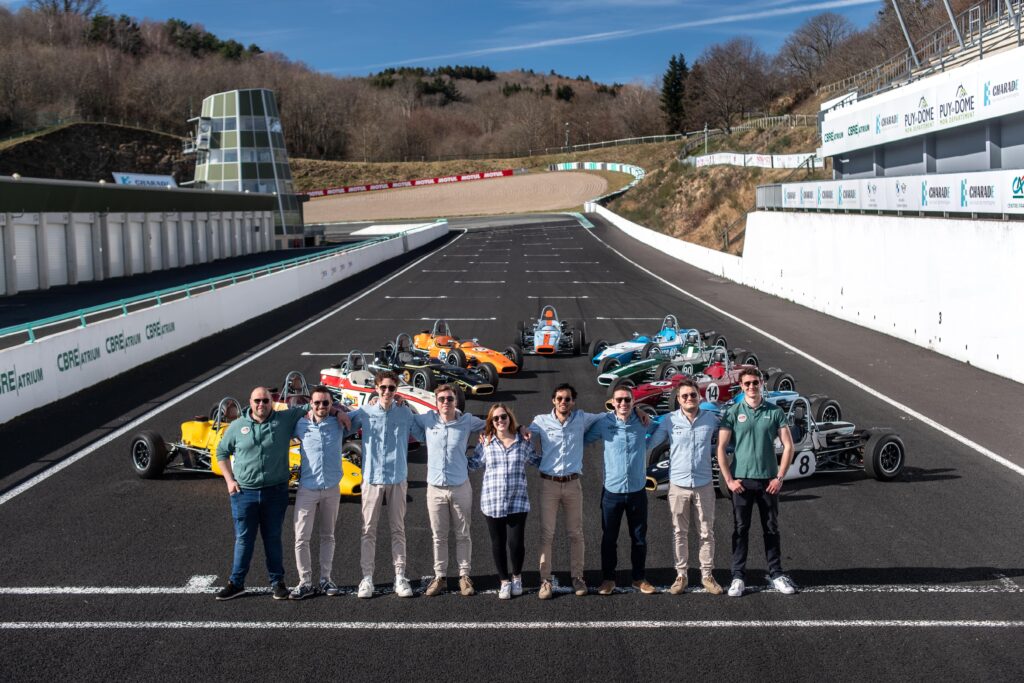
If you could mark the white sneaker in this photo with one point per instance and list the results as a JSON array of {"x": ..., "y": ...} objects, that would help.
[
  {"x": 736, "y": 588},
  {"x": 505, "y": 593},
  {"x": 402, "y": 587},
  {"x": 784, "y": 585},
  {"x": 366, "y": 587},
  {"x": 517, "y": 586}
]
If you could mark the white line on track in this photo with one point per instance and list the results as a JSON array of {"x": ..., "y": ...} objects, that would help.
[
  {"x": 196, "y": 585},
  {"x": 490, "y": 262},
  {"x": 78, "y": 455},
  {"x": 584, "y": 296},
  {"x": 415, "y": 319},
  {"x": 578, "y": 282},
  {"x": 548, "y": 271},
  {"x": 418, "y": 297},
  {"x": 541, "y": 256},
  {"x": 444, "y": 271},
  {"x": 956, "y": 436},
  {"x": 604, "y": 318},
  {"x": 510, "y": 625},
  {"x": 581, "y": 263},
  {"x": 478, "y": 282}
]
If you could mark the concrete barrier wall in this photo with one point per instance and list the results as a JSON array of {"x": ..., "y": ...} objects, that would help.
[
  {"x": 36, "y": 374},
  {"x": 948, "y": 285}
]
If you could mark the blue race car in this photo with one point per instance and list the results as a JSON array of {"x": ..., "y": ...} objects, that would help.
[
  {"x": 548, "y": 335},
  {"x": 669, "y": 341}
]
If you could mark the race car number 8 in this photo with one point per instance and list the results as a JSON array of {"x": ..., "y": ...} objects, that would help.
[{"x": 805, "y": 464}]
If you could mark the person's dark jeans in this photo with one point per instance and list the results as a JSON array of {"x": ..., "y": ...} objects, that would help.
[
  {"x": 263, "y": 510},
  {"x": 755, "y": 493},
  {"x": 507, "y": 538},
  {"x": 613, "y": 505}
]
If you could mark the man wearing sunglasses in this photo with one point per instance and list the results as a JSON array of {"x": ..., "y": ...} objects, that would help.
[
  {"x": 449, "y": 493},
  {"x": 625, "y": 463},
  {"x": 755, "y": 477},
  {"x": 386, "y": 427},
  {"x": 689, "y": 431},
  {"x": 253, "y": 455},
  {"x": 320, "y": 473}
]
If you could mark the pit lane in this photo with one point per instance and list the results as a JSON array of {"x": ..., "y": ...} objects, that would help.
[{"x": 920, "y": 577}]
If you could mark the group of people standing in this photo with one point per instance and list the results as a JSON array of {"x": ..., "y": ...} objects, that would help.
[{"x": 257, "y": 481}]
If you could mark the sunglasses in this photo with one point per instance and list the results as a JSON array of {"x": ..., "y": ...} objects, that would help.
[
  {"x": 752, "y": 383},
  {"x": 563, "y": 399},
  {"x": 497, "y": 418},
  {"x": 321, "y": 403},
  {"x": 388, "y": 387},
  {"x": 445, "y": 399},
  {"x": 688, "y": 396},
  {"x": 623, "y": 399},
  {"x": 259, "y": 401}
]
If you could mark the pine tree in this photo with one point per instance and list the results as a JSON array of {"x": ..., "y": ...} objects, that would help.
[{"x": 673, "y": 93}]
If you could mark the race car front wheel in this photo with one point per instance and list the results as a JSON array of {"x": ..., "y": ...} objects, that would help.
[{"x": 149, "y": 455}]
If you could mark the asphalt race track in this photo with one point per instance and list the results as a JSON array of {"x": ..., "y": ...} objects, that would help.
[{"x": 106, "y": 576}]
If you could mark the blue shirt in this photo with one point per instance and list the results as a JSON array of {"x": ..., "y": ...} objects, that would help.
[
  {"x": 320, "y": 452},
  {"x": 625, "y": 451},
  {"x": 690, "y": 446},
  {"x": 385, "y": 442},
  {"x": 446, "y": 446},
  {"x": 562, "y": 444}
]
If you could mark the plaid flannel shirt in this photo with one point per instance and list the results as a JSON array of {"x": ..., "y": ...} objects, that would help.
[{"x": 503, "y": 492}]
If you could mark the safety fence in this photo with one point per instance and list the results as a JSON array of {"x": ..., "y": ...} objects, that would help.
[
  {"x": 615, "y": 167},
  {"x": 755, "y": 160},
  {"x": 419, "y": 182}
]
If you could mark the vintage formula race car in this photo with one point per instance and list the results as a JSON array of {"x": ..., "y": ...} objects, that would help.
[
  {"x": 821, "y": 443},
  {"x": 424, "y": 372},
  {"x": 440, "y": 343},
  {"x": 196, "y": 450},
  {"x": 351, "y": 382},
  {"x": 669, "y": 341},
  {"x": 691, "y": 359},
  {"x": 549, "y": 335}
]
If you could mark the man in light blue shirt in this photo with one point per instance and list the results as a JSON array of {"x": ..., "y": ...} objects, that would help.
[
  {"x": 689, "y": 431},
  {"x": 625, "y": 449},
  {"x": 320, "y": 438},
  {"x": 449, "y": 493},
  {"x": 386, "y": 427}
]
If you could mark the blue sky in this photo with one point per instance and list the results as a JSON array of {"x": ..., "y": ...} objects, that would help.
[{"x": 609, "y": 40}]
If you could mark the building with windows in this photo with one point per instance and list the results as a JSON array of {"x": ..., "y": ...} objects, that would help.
[{"x": 240, "y": 147}]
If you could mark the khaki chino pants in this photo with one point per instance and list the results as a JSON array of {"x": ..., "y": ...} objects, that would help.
[
  {"x": 373, "y": 498},
  {"x": 681, "y": 501},
  {"x": 450, "y": 508},
  {"x": 308, "y": 502},
  {"x": 569, "y": 497}
]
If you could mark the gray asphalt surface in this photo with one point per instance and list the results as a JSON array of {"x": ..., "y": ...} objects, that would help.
[{"x": 915, "y": 579}]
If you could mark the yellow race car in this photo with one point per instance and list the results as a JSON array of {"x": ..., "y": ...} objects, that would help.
[
  {"x": 196, "y": 451},
  {"x": 440, "y": 343}
]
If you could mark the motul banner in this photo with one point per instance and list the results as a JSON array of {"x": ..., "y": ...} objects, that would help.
[{"x": 409, "y": 183}]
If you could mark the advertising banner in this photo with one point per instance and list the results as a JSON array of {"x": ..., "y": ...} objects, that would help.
[{"x": 143, "y": 180}]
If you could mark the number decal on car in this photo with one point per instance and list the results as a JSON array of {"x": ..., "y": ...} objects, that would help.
[
  {"x": 711, "y": 393},
  {"x": 687, "y": 368},
  {"x": 661, "y": 383}
]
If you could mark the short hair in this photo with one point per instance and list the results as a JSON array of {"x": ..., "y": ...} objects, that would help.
[
  {"x": 383, "y": 375},
  {"x": 687, "y": 382},
  {"x": 320, "y": 389},
  {"x": 564, "y": 386},
  {"x": 441, "y": 388},
  {"x": 749, "y": 372},
  {"x": 260, "y": 388},
  {"x": 622, "y": 387}
]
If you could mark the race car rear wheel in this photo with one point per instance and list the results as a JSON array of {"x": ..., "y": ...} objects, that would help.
[
  {"x": 577, "y": 341},
  {"x": 352, "y": 450},
  {"x": 514, "y": 352},
  {"x": 422, "y": 379},
  {"x": 665, "y": 370},
  {"x": 624, "y": 383},
  {"x": 657, "y": 454},
  {"x": 826, "y": 409},
  {"x": 650, "y": 350},
  {"x": 648, "y": 409},
  {"x": 460, "y": 399},
  {"x": 720, "y": 340},
  {"x": 608, "y": 364},
  {"x": 599, "y": 346},
  {"x": 749, "y": 358},
  {"x": 884, "y": 455},
  {"x": 456, "y": 357},
  {"x": 149, "y": 454},
  {"x": 782, "y": 381},
  {"x": 489, "y": 373}
]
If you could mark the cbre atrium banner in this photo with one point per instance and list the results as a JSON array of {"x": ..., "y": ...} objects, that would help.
[
  {"x": 993, "y": 192},
  {"x": 975, "y": 92}
]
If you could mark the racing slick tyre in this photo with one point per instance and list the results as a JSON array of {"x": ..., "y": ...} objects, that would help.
[
  {"x": 352, "y": 450},
  {"x": 720, "y": 340},
  {"x": 665, "y": 370},
  {"x": 657, "y": 454},
  {"x": 422, "y": 379},
  {"x": 650, "y": 350},
  {"x": 599, "y": 346},
  {"x": 514, "y": 352},
  {"x": 647, "y": 409},
  {"x": 744, "y": 357},
  {"x": 456, "y": 357},
  {"x": 884, "y": 455},
  {"x": 149, "y": 454},
  {"x": 577, "y": 341},
  {"x": 624, "y": 383},
  {"x": 489, "y": 373},
  {"x": 608, "y": 364},
  {"x": 583, "y": 333},
  {"x": 781, "y": 381},
  {"x": 460, "y": 399},
  {"x": 826, "y": 409}
]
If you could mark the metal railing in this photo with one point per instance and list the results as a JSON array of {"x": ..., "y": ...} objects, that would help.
[
  {"x": 941, "y": 44},
  {"x": 31, "y": 331},
  {"x": 702, "y": 137}
]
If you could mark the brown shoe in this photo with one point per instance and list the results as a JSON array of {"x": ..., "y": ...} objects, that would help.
[
  {"x": 436, "y": 587},
  {"x": 545, "y": 590},
  {"x": 607, "y": 588},
  {"x": 579, "y": 585},
  {"x": 645, "y": 587},
  {"x": 466, "y": 586},
  {"x": 711, "y": 586},
  {"x": 678, "y": 586}
]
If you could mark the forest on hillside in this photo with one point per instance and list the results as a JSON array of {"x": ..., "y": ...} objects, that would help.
[{"x": 67, "y": 59}]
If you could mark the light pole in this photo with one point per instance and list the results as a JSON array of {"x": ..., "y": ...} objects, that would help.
[
  {"x": 567, "y": 135},
  {"x": 705, "y": 138}
]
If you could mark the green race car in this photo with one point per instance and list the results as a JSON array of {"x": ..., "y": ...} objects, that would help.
[{"x": 692, "y": 358}]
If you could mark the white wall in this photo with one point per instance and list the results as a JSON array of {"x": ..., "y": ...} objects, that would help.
[
  {"x": 33, "y": 375},
  {"x": 943, "y": 284}
]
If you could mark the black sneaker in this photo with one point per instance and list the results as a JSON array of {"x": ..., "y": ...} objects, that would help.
[
  {"x": 280, "y": 591},
  {"x": 302, "y": 591},
  {"x": 230, "y": 591}
]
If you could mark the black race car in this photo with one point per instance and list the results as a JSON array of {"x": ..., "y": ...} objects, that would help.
[{"x": 423, "y": 372}]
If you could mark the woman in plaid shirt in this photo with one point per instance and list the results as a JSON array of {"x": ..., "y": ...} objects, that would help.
[{"x": 505, "y": 452}]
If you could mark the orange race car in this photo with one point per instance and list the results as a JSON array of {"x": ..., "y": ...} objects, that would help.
[{"x": 440, "y": 343}]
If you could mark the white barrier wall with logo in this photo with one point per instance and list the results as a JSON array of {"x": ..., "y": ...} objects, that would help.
[
  {"x": 754, "y": 160},
  {"x": 35, "y": 374},
  {"x": 944, "y": 284}
]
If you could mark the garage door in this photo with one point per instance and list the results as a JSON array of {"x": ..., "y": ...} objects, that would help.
[
  {"x": 26, "y": 258},
  {"x": 186, "y": 240},
  {"x": 154, "y": 244},
  {"x": 83, "y": 251},
  {"x": 135, "y": 247},
  {"x": 56, "y": 255},
  {"x": 115, "y": 250}
]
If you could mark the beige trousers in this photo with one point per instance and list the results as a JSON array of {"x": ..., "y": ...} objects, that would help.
[
  {"x": 569, "y": 497},
  {"x": 681, "y": 501},
  {"x": 450, "y": 507},
  {"x": 307, "y": 503},
  {"x": 373, "y": 498}
]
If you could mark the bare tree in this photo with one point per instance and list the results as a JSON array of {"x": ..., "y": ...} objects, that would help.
[
  {"x": 809, "y": 48},
  {"x": 732, "y": 72},
  {"x": 85, "y": 8}
]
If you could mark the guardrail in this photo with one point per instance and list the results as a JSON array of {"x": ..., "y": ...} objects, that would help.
[
  {"x": 635, "y": 171},
  {"x": 9, "y": 336}
]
